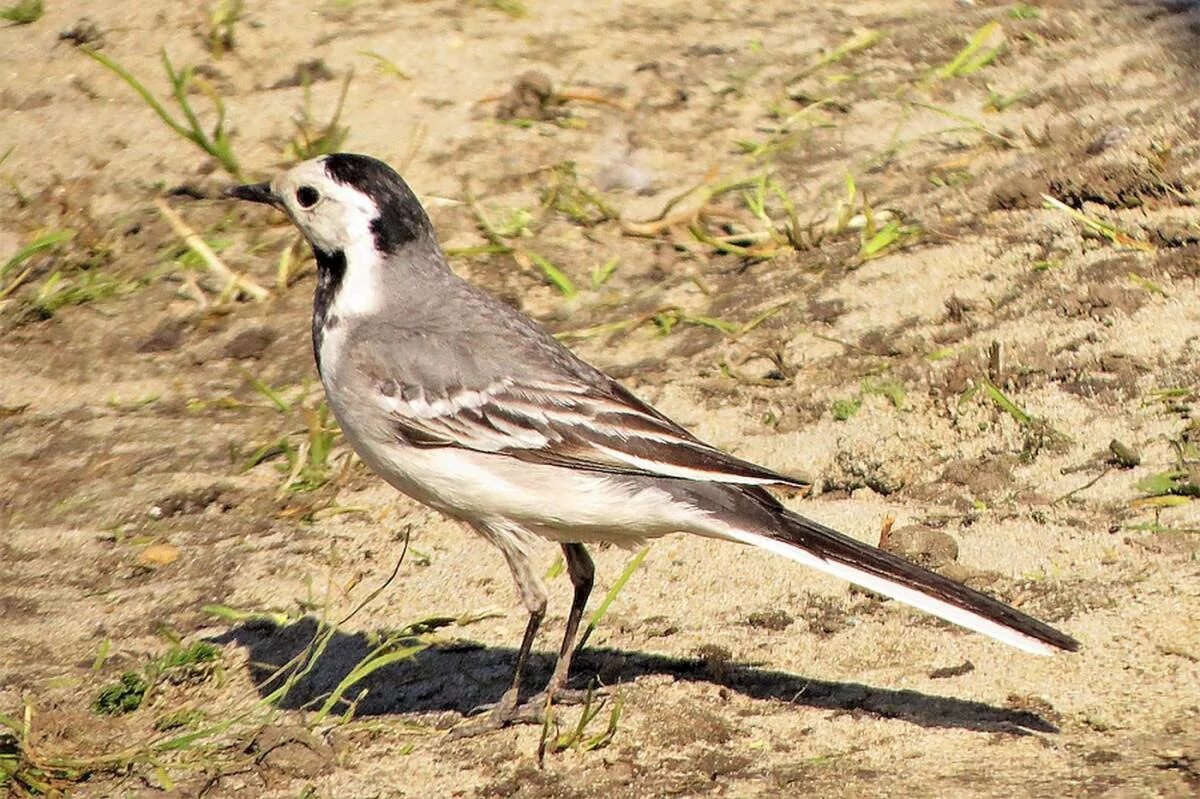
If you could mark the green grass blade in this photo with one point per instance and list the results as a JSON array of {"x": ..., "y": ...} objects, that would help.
[
  {"x": 188, "y": 738},
  {"x": 1005, "y": 404},
  {"x": 602, "y": 273},
  {"x": 271, "y": 394},
  {"x": 1113, "y": 234},
  {"x": 141, "y": 90},
  {"x": 554, "y": 275},
  {"x": 728, "y": 328},
  {"x": 235, "y": 616},
  {"x": 363, "y": 670},
  {"x": 973, "y": 57},
  {"x": 42, "y": 242},
  {"x": 611, "y": 596}
]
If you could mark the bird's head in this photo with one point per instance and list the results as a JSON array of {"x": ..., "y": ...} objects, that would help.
[
  {"x": 362, "y": 220},
  {"x": 344, "y": 203}
]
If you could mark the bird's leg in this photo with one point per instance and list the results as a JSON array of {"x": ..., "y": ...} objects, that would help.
[
  {"x": 508, "y": 702},
  {"x": 582, "y": 573},
  {"x": 509, "y": 710},
  {"x": 533, "y": 596}
]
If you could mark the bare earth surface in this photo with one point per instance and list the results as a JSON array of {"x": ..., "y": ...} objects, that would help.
[{"x": 162, "y": 449}]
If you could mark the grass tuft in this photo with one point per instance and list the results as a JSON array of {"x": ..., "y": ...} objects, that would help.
[
  {"x": 59, "y": 291},
  {"x": 566, "y": 194},
  {"x": 23, "y": 12},
  {"x": 313, "y": 139},
  {"x": 512, "y": 8},
  {"x": 307, "y": 454},
  {"x": 977, "y": 54},
  {"x": 602, "y": 272},
  {"x": 501, "y": 238},
  {"x": 1025, "y": 11},
  {"x": 177, "y": 664},
  {"x": 222, "y": 19},
  {"x": 45, "y": 241},
  {"x": 186, "y": 738},
  {"x": 123, "y": 696},
  {"x": 196, "y": 653},
  {"x": 577, "y": 737},
  {"x": 892, "y": 390},
  {"x": 215, "y": 142},
  {"x": 845, "y": 409}
]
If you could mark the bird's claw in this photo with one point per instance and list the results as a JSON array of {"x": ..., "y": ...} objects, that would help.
[{"x": 507, "y": 712}]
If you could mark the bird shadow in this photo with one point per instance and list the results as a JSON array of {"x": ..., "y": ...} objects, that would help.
[{"x": 463, "y": 677}]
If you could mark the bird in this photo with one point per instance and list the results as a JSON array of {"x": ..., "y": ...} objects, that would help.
[{"x": 465, "y": 404}]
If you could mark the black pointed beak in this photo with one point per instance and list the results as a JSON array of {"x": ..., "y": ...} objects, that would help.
[{"x": 255, "y": 193}]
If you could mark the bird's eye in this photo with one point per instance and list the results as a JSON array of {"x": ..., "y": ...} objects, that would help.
[{"x": 307, "y": 196}]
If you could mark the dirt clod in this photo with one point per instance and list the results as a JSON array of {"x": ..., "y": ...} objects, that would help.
[
  {"x": 84, "y": 33},
  {"x": 166, "y": 336},
  {"x": 306, "y": 73},
  {"x": 923, "y": 545},
  {"x": 1124, "y": 455},
  {"x": 531, "y": 97},
  {"x": 250, "y": 343},
  {"x": 858, "y": 467},
  {"x": 966, "y": 667},
  {"x": 984, "y": 478},
  {"x": 291, "y": 751},
  {"x": 772, "y": 619},
  {"x": 717, "y": 660},
  {"x": 182, "y": 503},
  {"x": 691, "y": 723}
]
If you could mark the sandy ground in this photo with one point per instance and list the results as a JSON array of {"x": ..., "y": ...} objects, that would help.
[{"x": 138, "y": 484}]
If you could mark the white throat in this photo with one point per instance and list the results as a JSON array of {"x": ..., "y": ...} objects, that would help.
[{"x": 360, "y": 293}]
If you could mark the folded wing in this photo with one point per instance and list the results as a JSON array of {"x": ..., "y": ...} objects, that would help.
[{"x": 592, "y": 425}]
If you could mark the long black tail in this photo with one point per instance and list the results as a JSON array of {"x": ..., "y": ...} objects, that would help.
[{"x": 823, "y": 548}]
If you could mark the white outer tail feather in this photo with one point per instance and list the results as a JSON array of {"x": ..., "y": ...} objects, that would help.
[{"x": 897, "y": 591}]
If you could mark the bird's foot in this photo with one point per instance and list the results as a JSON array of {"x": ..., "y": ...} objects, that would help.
[{"x": 508, "y": 711}]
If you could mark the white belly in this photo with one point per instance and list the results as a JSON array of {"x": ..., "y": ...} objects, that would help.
[{"x": 556, "y": 503}]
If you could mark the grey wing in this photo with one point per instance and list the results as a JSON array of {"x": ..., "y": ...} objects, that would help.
[{"x": 561, "y": 412}]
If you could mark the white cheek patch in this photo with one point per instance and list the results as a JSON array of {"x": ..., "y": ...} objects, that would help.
[
  {"x": 344, "y": 220},
  {"x": 339, "y": 223}
]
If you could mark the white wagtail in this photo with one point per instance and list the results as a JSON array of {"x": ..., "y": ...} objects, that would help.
[{"x": 463, "y": 403}]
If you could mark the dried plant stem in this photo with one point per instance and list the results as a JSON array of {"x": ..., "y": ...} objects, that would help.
[
  {"x": 215, "y": 265},
  {"x": 16, "y": 282}
]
